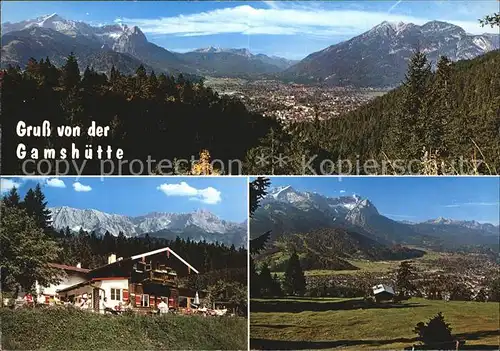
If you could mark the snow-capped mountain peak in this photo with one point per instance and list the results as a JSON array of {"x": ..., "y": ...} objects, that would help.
[
  {"x": 45, "y": 20},
  {"x": 277, "y": 191},
  {"x": 202, "y": 222},
  {"x": 210, "y": 49},
  {"x": 395, "y": 26},
  {"x": 486, "y": 227},
  {"x": 288, "y": 194}
]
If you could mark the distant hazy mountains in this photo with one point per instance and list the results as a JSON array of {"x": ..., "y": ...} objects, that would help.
[
  {"x": 286, "y": 211},
  {"x": 234, "y": 62},
  {"x": 198, "y": 226},
  {"x": 379, "y": 57},
  {"x": 125, "y": 47}
]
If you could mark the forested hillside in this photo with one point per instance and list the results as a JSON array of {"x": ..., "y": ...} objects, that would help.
[
  {"x": 454, "y": 113},
  {"x": 331, "y": 248},
  {"x": 163, "y": 117}
]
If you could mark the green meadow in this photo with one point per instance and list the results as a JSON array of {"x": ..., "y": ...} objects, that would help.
[{"x": 329, "y": 323}]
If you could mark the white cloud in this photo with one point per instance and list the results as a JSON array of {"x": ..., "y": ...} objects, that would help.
[
  {"x": 473, "y": 204},
  {"x": 278, "y": 20},
  {"x": 7, "y": 184},
  {"x": 398, "y": 216},
  {"x": 208, "y": 195},
  {"x": 55, "y": 183},
  {"x": 80, "y": 187},
  {"x": 39, "y": 179},
  {"x": 342, "y": 191}
]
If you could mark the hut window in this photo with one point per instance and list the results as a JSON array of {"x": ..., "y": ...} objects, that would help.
[
  {"x": 145, "y": 301},
  {"x": 115, "y": 294}
]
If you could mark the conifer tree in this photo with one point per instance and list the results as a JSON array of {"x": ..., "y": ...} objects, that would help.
[
  {"x": 70, "y": 72},
  {"x": 404, "y": 279},
  {"x": 12, "y": 198},
  {"x": 254, "y": 280},
  {"x": 265, "y": 281},
  {"x": 276, "y": 286},
  {"x": 409, "y": 126},
  {"x": 440, "y": 116},
  {"x": 294, "y": 281},
  {"x": 491, "y": 20},
  {"x": 435, "y": 332},
  {"x": 26, "y": 252},
  {"x": 114, "y": 76}
]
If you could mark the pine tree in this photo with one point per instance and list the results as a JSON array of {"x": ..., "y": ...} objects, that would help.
[
  {"x": 440, "y": 116},
  {"x": 29, "y": 203},
  {"x": 36, "y": 207},
  {"x": 435, "y": 332},
  {"x": 491, "y": 20},
  {"x": 254, "y": 280},
  {"x": 12, "y": 199},
  {"x": 43, "y": 215},
  {"x": 26, "y": 252},
  {"x": 266, "y": 281},
  {"x": 276, "y": 286},
  {"x": 50, "y": 74},
  {"x": 70, "y": 72},
  {"x": 409, "y": 125},
  {"x": 294, "y": 282},
  {"x": 404, "y": 278}
]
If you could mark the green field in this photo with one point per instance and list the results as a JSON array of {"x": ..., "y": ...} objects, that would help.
[
  {"x": 327, "y": 323},
  {"x": 366, "y": 266},
  {"x": 65, "y": 329}
]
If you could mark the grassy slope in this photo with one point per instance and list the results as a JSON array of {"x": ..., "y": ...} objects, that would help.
[
  {"x": 329, "y": 323},
  {"x": 28, "y": 329}
]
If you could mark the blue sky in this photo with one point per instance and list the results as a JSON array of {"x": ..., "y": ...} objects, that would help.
[
  {"x": 226, "y": 197},
  {"x": 286, "y": 29},
  {"x": 413, "y": 198}
]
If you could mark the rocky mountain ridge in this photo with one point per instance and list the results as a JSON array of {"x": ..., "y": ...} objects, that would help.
[
  {"x": 379, "y": 57},
  {"x": 376, "y": 58},
  {"x": 287, "y": 211},
  {"x": 199, "y": 225}
]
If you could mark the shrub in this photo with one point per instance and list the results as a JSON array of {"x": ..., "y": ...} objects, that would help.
[{"x": 436, "y": 331}]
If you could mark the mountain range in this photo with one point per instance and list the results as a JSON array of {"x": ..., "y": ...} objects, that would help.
[
  {"x": 379, "y": 57},
  {"x": 376, "y": 58},
  {"x": 125, "y": 47},
  {"x": 198, "y": 226},
  {"x": 286, "y": 211}
]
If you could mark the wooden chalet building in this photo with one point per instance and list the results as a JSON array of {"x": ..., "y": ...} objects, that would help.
[
  {"x": 383, "y": 292},
  {"x": 143, "y": 279}
]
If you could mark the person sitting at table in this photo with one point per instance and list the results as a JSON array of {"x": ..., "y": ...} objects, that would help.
[
  {"x": 28, "y": 299},
  {"x": 127, "y": 306},
  {"x": 163, "y": 306},
  {"x": 40, "y": 299},
  {"x": 84, "y": 302},
  {"x": 106, "y": 307}
]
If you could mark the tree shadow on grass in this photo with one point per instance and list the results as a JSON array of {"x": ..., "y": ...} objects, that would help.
[
  {"x": 266, "y": 344},
  {"x": 478, "y": 334},
  {"x": 292, "y": 306}
]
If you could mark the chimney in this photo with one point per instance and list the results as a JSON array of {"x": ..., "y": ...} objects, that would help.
[
  {"x": 111, "y": 258},
  {"x": 78, "y": 265}
]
